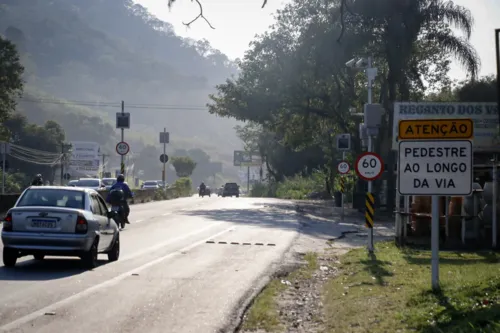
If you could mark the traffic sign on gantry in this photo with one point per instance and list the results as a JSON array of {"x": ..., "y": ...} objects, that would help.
[{"x": 369, "y": 166}]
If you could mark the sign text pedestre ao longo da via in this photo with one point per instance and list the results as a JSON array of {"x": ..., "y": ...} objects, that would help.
[{"x": 435, "y": 159}]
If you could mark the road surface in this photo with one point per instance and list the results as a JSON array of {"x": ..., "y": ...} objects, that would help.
[{"x": 170, "y": 276}]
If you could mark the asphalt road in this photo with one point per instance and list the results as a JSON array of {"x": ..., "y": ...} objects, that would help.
[{"x": 170, "y": 276}]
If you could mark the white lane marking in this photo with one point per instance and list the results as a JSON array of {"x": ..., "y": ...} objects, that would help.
[
  {"x": 139, "y": 221},
  {"x": 50, "y": 308},
  {"x": 166, "y": 214},
  {"x": 171, "y": 241}
]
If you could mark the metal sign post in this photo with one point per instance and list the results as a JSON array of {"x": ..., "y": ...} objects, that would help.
[
  {"x": 343, "y": 168},
  {"x": 4, "y": 150},
  {"x": 164, "y": 138},
  {"x": 435, "y": 167},
  {"x": 343, "y": 145},
  {"x": 369, "y": 166},
  {"x": 122, "y": 122}
]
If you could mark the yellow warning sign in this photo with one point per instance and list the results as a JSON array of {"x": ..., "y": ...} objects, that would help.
[{"x": 428, "y": 129}]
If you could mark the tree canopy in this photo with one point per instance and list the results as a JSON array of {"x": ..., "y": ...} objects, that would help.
[
  {"x": 295, "y": 92},
  {"x": 184, "y": 166}
]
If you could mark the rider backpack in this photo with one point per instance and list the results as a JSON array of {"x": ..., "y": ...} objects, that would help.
[{"x": 116, "y": 196}]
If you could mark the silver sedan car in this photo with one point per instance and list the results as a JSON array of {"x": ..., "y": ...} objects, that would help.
[{"x": 60, "y": 221}]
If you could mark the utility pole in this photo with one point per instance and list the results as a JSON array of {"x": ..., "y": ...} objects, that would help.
[
  {"x": 4, "y": 150},
  {"x": 164, "y": 138},
  {"x": 103, "y": 164},
  {"x": 64, "y": 159}
]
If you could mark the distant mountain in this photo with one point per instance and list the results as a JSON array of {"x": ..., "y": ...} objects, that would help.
[{"x": 111, "y": 50}]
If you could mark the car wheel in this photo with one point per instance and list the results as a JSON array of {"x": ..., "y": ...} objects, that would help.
[
  {"x": 10, "y": 256},
  {"x": 39, "y": 256},
  {"x": 89, "y": 258},
  {"x": 114, "y": 253},
  {"x": 238, "y": 196}
]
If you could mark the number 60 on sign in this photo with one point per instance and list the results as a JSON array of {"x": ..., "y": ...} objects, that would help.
[{"x": 369, "y": 166}]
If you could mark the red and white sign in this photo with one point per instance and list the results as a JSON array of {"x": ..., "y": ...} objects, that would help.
[
  {"x": 122, "y": 148},
  {"x": 343, "y": 167},
  {"x": 369, "y": 166}
]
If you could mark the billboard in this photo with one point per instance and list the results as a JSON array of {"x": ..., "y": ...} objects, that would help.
[
  {"x": 484, "y": 116},
  {"x": 245, "y": 158},
  {"x": 84, "y": 158}
]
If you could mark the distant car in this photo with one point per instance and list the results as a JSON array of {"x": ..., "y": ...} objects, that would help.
[
  {"x": 59, "y": 221},
  {"x": 92, "y": 183},
  {"x": 220, "y": 190},
  {"x": 150, "y": 184},
  {"x": 208, "y": 191},
  {"x": 231, "y": 189},
  {"x": 72, "y": 182},
  {"x": 108, "y": 182}
]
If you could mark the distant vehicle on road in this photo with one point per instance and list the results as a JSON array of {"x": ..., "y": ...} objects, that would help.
[
  {"x": 59, "y": 221},
  {"x": 150, "y": 184},
  {"x": 92, "y": 183},
  {"x": 231, "y": 189},
  {"x": 73, "y": 182},
  {"x": 220, "y": 190},
  {"x": 108, "y": 182}
]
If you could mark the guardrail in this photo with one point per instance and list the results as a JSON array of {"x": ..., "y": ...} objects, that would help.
[{"x": 140, "y": 196}]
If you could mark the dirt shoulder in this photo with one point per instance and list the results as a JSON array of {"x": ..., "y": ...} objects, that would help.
[{"x": 292, "y": 301}]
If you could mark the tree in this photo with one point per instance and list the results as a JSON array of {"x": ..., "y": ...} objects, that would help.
[
  {"x": 11, "y": 84},
  {"x": 184, "y": 166}
]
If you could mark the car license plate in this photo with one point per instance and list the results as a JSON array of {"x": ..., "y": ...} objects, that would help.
[{"x": 40, "y": 223}]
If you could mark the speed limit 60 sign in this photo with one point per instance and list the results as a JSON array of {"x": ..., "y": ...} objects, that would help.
[
  {"x": 369, "y": 166},
  {"x": 122, "y": 148},
  {"x": 343, "y": 167}
]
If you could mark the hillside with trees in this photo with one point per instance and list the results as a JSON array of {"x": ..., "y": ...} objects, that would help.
[{"x": 82, "y": 58}]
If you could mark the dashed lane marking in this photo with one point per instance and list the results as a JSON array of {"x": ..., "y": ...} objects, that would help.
[{"x": 51, "y": 308}]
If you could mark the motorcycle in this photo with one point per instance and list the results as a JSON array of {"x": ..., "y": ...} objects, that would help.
[
  {"x": 118, "y": 216},
  {"x": 202, "y": 193}
]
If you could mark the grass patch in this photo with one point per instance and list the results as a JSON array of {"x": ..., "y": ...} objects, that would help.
[
  {"x": 264, "y": 312},
  {"x": 390, "y": 292}
]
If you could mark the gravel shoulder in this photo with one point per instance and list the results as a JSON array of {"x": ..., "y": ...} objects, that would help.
[{"x": 292, "y": 301}]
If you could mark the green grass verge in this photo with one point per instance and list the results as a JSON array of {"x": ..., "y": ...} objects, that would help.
[
  {"x": 264, "y": 313},
  {"x": 390, "y": 292}
]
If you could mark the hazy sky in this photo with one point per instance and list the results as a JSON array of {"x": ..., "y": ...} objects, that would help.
[{"x": 236, "y": 22}]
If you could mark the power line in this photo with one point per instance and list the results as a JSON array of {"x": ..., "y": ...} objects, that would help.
[{"x": 114, "y": 105}]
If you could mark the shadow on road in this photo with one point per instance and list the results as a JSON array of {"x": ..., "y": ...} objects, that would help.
[
  {"x": 47, "y": 269},
  {"x": 274, "y": 215}
]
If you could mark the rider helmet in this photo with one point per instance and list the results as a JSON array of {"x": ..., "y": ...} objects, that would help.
[{"x": 120, "y": 178}]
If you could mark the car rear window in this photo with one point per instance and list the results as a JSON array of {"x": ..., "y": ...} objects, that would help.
[
  {"x": 88, "y": 183},
  {"x": 231, "y": 185},
  {"x": 108, "y": 182},
  {"x": 52, "y": 198},
  {"x": 150, "y": 183}
]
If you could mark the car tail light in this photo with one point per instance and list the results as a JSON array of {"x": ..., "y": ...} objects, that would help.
[
  {"x": 7, "y": 222},
  {"x": 81, "y": 225}
]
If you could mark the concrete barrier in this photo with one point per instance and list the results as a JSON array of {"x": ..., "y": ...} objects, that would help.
[{"x": 140, "y": 196}]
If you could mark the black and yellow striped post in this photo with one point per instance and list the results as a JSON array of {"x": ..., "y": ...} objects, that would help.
[
  {"x": 342, "y": 185},
  {"x": 370, "y": 210},
  {"x": 122, "y": 168}
]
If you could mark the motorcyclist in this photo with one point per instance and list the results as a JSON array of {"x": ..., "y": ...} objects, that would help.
[
  {"x": 203, "y": 187},
  {"x": 37, "y": 181},
  {"x": 127, "y": 194}
]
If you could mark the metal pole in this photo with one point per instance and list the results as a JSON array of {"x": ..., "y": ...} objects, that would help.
[
  {"x": 446, "y": 217},
  {"x": 122, "y": 140},
  {"x": 248, "y": 179},
  {"x": 164, "y": 180},
  {"x": 62, "y": 163},
  {"x": 370, "y": 142},
  {"x": 435, "y": 242},
  {"x": 494, "y": 205},
  {"x": 342, "y": 196},
  {"x": 103, "y": 160},
  {"x": 497, "y": 47},
  {"x": 4, "y": 154}
]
